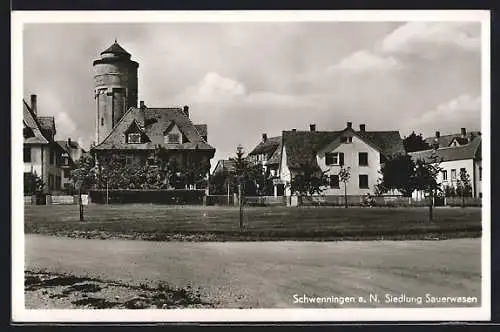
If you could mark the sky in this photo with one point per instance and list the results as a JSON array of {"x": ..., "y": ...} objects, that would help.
[{"x": 248, "y": 78}]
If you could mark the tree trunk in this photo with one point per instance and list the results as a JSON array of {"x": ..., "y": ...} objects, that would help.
[
  {"x": 80, "y": 204},
  {"x": 240, "y": 205},
  {"x": 431, "y": 202},
  {"x": 463, "y": 200},
  {"x": 345, "y": 195}
]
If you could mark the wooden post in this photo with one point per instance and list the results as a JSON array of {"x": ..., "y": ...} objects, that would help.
[
  {"x": 228, "y": 198},
  {"x": 107, "y": 192},
  {"x": 80, "y": 203}
]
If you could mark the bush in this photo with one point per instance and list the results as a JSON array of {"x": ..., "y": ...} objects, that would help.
[{"x": 175, "y": 197}]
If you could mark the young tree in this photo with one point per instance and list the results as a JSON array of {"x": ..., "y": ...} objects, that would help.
[
  {"x": 33, "y": 184},
  {"x": 308, "y": 180},
  {"x": 83, "y": 177},
  {"x": 426, "y": 172},
  {"x": 398, "y": 173},
  {"x": 344, "y": 176},
  {"x": 464, "y": 187},
  {"x": 414, "y": 143}
]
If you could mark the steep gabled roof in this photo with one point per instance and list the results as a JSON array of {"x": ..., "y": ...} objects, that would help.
[
  {"x": 445, "y": 140},
  {"x": 202, "y": 129},
  {"x": 389, "y": 142},
  {"x": 223, "y": 164},
  {"x": 302, "y": 146},
  {"x": 30, "y": 120},
  {"x": 269, "y": 146},
  {"x": 276, "y": 156},
  {"x": 154, "y": 122},
  {"x": 450, "y": 153}
]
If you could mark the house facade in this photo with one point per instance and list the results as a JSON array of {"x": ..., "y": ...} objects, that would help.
[
  {"x": 266, "y": 153},
  {"x": 328, "y": 151},
  {"x": 132, "y": 134},
  {"x": 458, "y": 154},
  {"x": 72, "y": 152},
  {"x": 41, "y": 153}
]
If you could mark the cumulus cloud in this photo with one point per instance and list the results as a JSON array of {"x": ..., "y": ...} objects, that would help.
[
  {"x": 365, "y": 60},
  {"x": 450, "y": 116},
  {"x": 429, "y": 39}
]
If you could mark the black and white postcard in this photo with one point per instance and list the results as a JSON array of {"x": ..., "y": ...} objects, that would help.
[{"x": 251, "y": 166}]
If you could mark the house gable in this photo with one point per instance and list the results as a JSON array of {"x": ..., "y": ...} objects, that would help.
[{"x": 154, "y": 122}]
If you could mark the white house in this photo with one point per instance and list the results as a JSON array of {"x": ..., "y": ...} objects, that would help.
[
  {"x": 459, "y": 155},
  {"x": 41, "y": 154},
  {"x": 363, "y": 151}
]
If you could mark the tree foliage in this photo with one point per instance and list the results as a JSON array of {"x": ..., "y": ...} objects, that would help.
[
  {"x": 415, "y": 142},
  {"x": 32, "y": 184},
  {"x": 308, "y": 179},
  {"x": 398, "y": 173},
  {"x": 84, "y": 175}
]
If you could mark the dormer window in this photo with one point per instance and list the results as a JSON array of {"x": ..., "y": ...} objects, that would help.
[
  {"x": 172, "y": 139},
  {"x": 346, "y": 139},
  {"x": 134, "y": 138}
]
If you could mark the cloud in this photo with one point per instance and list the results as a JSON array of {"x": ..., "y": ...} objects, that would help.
[
  {"x": 450, "y": 116},
  {"x": 429, "y": 39},
  {"x": 213, "y": 88},
  {"x": 365, "y": 60}
]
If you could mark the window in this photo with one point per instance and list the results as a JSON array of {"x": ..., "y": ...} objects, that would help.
[
  {"x": 173, "y": 139},
  {"x": 134, "y": 138},
  {"x": 334, "y": 181},
  {"x": 65, "y": 160},
  {"x": 66, "y": 173},
  {"x": 27, "y": 154},
  {"x": 445, "y": 175},
  {"x": 58, "y": 182},
  {"x": 102, "y": 121},
  {"x": 51, "y": 182},
  {"x": 363, "y": 181},
  {"x": 363, "y": 159},
  {"x": 480, "y": 173},
  {"x": 453, "y": 175},
  {"x": 51, "y": 154},
  {"x": 334, "y": 158},
  {"x": 346, "y": 139}
]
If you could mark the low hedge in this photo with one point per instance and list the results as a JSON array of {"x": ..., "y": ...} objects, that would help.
[{"x": 176, "y": 197}]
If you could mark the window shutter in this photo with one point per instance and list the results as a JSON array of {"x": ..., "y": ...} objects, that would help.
[{"x": 341, "y": 156}]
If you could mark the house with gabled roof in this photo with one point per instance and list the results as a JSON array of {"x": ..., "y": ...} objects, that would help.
[
  {"x": 453, "y": 158},
  {"x": 41, "y": 153},
  {"x": 72, "y": 152},
  {"x": 456, "y": 139},
  {"x": 133, "y": 133},
  {"x": 327, "y": 151}
]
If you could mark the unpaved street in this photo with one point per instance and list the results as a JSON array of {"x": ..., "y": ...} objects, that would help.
[{"x": 269, "y": 274}]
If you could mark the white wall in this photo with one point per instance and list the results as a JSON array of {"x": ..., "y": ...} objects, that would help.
[
  {"x": 351, "y": 159},
  {"x": 470, "y": 166}
]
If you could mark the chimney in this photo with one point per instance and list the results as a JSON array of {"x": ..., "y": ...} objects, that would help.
[
  {"x": 438, "y": 134},
  {"x": 293, "y": 129},
  {"x": 349, "y": 124},
  {"x": 264, "y": 137},
  {"x": 463, "y": 132},
  {"x": 33, "y": 104},
  {"x": 362, "y": 127},
  {"x": 312, "y": 127},
  {"x": 142, "y": 105},
  {"x": 69, "y": 142},
  {"x": 186, "y": 110}
]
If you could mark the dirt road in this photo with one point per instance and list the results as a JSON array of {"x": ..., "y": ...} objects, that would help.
[{"x": 275, "y": 274}]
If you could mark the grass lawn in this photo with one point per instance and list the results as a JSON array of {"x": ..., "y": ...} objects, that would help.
[{"x": 163, "y": 222}]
